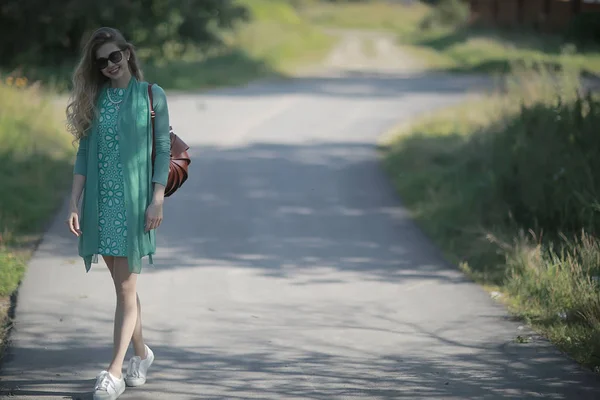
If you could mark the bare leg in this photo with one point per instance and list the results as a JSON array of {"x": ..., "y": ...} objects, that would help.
[
  {"x": 126, "y": 313},
  {"x": 139, "y": 346},
  {"x": 138, "y": 339},
  {"x": 110, "y": 263}
]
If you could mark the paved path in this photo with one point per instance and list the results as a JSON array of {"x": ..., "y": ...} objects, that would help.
[{"x": 287, "y": 269}]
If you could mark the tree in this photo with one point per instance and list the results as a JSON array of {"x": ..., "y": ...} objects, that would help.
[{"x": 41, "y": 32}]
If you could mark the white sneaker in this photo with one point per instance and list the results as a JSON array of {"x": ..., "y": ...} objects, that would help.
[
  {"x": 137, "y": 369},
  {"x": 108, "y": 387}
]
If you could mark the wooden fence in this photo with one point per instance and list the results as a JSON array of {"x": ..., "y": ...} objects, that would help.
[{"x": 551, "y": 15}]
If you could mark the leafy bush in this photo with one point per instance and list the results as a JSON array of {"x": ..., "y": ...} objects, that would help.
[
  {"x": 35, "y": 157},
  {"x": 35, "y": 171},
  {"x": 558, "y": 283},
  {"x": 546, "y": 165},
  {"x": 477, "y": 177},
  {"x": 584, "y": 28}
]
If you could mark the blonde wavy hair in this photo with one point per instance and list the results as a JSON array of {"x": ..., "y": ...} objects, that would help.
[{"x": 88, "y": 79}]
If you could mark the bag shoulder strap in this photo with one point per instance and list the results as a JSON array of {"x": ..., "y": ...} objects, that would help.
[
  {"x": 152, "y": 116},
  {"x": 151, "y": 101}
]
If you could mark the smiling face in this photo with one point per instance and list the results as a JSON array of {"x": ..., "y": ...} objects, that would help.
[{"x": 112, "y": 62}]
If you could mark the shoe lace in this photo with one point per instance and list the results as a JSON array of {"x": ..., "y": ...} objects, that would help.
[
  {"x": 104, "y": 382},
  {"x": 134, "y": 367}
]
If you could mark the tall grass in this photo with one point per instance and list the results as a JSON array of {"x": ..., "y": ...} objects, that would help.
[
  {"x": 35, "y": 170},
  {"x": 445, "y": 40},
  {"x": 508, "y": 186},
  {"x": 35, "y": 162}
]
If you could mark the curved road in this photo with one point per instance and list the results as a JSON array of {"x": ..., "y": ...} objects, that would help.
[{"x": 287, "y": 267}]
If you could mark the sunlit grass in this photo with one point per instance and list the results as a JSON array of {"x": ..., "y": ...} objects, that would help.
[
  {"x": 35, "y": 165},
  {"x": 494, "y": 183}
]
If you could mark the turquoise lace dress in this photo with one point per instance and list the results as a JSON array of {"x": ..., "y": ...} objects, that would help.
[{"x": 112, "y": 222}]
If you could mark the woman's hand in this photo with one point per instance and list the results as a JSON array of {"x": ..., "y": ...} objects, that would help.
[
  {"x": 154, "y": 215},
  {"x": 73, "y": 222}
]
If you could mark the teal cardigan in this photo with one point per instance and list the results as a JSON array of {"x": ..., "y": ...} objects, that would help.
[{"x": 135, "y": 144}]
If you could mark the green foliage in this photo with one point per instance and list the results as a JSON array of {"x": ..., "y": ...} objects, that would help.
[
  {"x": 274, "y": 42},
  {"x": 279, "y": 12},
  {"x": 35, "y": 170},
  {"x": 555, "y": 287},
  {"x": 584, "y": 28},
  {"x": 396, "y": 17},
  {"x": 280, "y": 36},
  {"x": 473, "y": 49},
  {"x": 480, "y": 175},
  {"x": 11, "y": 271},
  {"x": 447, "y": 13},
  {"x": 34, "y": 158},
  {"x": 546, "y": 165},
  {"x": 268, "y": 38},
  {"x": 41, "y": 33},
  {"x": 233, "y": 67}
]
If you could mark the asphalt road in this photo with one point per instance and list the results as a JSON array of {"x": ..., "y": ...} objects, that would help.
[{"x": 287, "y": 268}]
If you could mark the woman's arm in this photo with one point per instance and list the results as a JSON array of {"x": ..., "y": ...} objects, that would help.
[
  {"x": 77, "y": 189},
  {"x": 162, "y": 138},
  {"x": 81, "y": 160},
  {"x": 79, "y": 177},
  {"x": 79, "y": 173},
  {"x": 162, "y": 157}
]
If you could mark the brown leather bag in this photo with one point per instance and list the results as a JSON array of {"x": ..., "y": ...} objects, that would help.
[{"x": 180, "y": 159}]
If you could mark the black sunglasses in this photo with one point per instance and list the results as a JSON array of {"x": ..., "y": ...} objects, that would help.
[{"x": 114, "y": 57}]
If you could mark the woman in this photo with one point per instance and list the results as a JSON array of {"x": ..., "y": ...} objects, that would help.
[{"x": 123, "y": 191}]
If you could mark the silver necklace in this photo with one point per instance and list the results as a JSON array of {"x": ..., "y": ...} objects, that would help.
[{"x": 111, "y": 100}]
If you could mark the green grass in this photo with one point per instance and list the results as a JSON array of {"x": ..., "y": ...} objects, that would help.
[
  {"x": 35, "y": 171},
  {"x": 12, "y": 268},
  {"x": 272, "y": 44},
  {"x": 445, "y": 40},
  {"x": 231, "y": 68},
  {"x": 280, "y": 37},
  {"x": 373, "y": 15},
  {"x": 507, "y": 187},
  {"x": 497, "y": 51}
]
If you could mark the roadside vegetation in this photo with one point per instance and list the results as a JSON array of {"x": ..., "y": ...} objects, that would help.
[
  {"x": 379, "y": 15},
  {"x": 271, "y": 44},
  {"x": 35, "y": 171},
  {"x": 439, "y": 37},
  {"x": 508, "y": 187},
  {"x": 244, "y": 40}
]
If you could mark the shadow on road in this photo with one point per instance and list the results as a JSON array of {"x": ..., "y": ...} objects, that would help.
[
  {"x": 269, "y": 369},
  {"x": 270, "y": 207}
]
